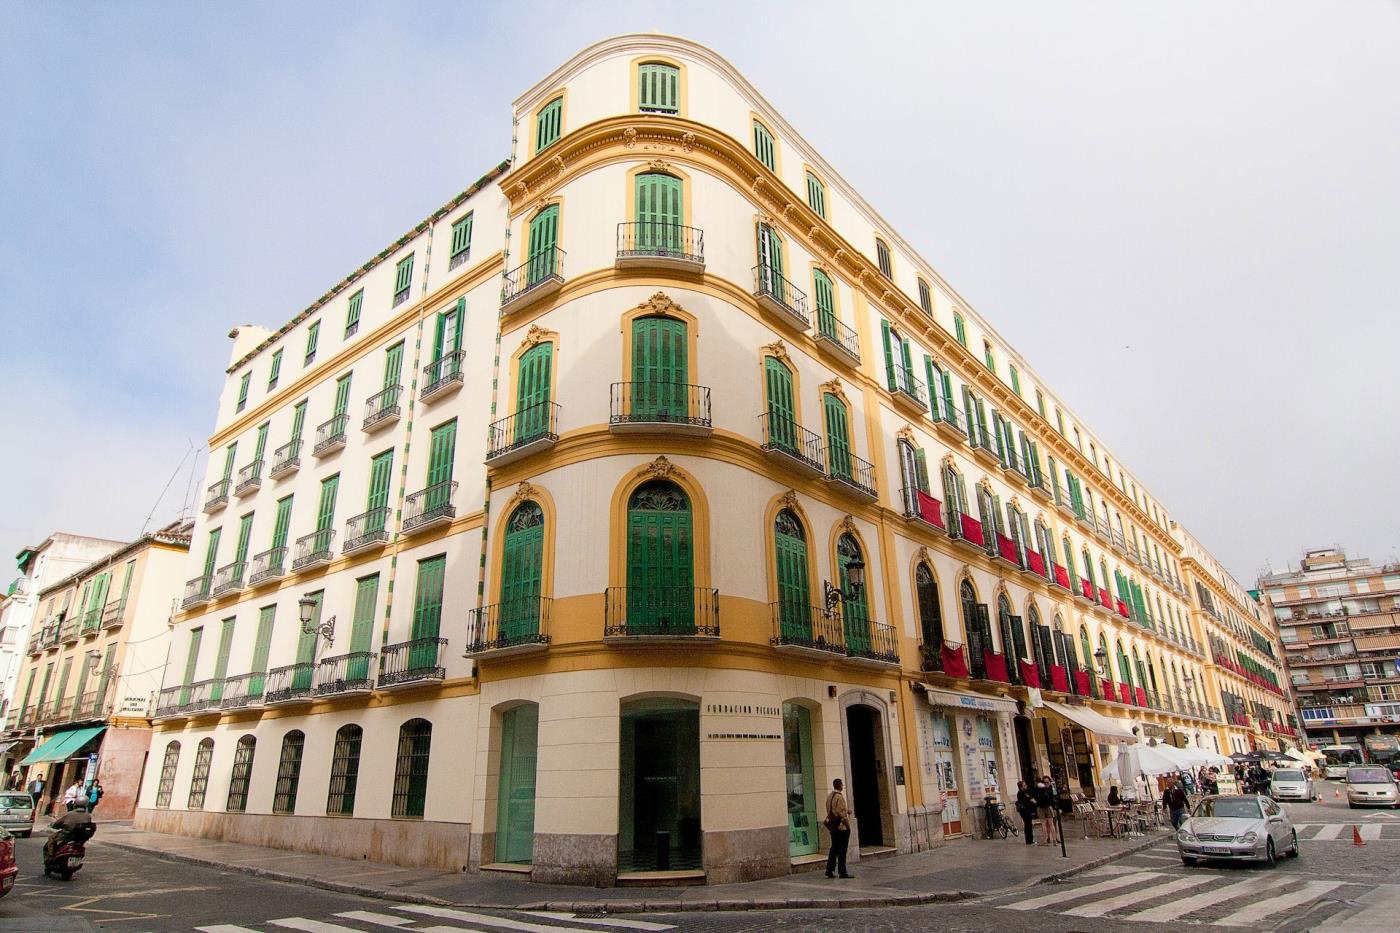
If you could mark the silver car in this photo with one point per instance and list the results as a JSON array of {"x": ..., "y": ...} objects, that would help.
[
  {"x": 17, "y": 813},
  {"x": 1251, "y": 827},
  {"x": 1291, "y": 784},
  {"x": 1371, "y": 786}
]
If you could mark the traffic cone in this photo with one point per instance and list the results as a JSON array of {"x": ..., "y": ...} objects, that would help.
[
  {"x": 1337, "y": 793},
  {"x": 1356, "y": 839}
]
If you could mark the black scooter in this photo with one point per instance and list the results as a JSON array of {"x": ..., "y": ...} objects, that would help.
[{"x": 67, "y": 856}]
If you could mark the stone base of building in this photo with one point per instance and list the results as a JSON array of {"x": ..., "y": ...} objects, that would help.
[{"x": 411, "y": 843}]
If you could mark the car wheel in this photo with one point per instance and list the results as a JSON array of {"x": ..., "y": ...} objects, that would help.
[
  {"x": 1188, "y": 861},
  {"x": 1270, "y": 857},
  {"x": 1351, "y": 806},
  {"x": 1294, "y": 852}
]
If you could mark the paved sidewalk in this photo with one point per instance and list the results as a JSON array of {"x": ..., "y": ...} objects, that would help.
[{"x": 959, "y": 869}]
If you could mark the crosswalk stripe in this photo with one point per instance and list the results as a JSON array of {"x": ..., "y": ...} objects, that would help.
[
  {"x": 1099, "y": 908},
  {"x": 1370, "y": 831},
  {"x": 1036, "y": 903},
  {"x": 619, "y": 923},
  {"x": 369, "y": 916},
  {"x": 224, "y": 928},
  {"x": 1165, "y": 858},
  {"x": 312, "y": 926},
  {"x": 1176, "y": 910},
  {"x": 504, "y": 923},
  {"x": 1252, "y": 914},
  {"x": 1329, "y": 831}
]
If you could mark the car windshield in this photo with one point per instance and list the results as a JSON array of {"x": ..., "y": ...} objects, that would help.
[
  {"x": 1368, "y": 776},
  {"x": 16, "y": 801},
  {"x": 1288, "y": 775},
  {"x": 1242, "y": 808}
]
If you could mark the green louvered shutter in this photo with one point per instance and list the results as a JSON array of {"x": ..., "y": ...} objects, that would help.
[
  {"x": 816, "y": 195},
  {"x": 325, "y": 512},
  {"x": 342, "y": 395},
  {"x": 380, "y": 469},
  {"x": 245, "y": 531},
  {"x": 855, "y": 612},
  {"x": 260, "y": 445},
  {"x": 660, "y": 371},
  {"x": 442, "y": 449},
  {"x": 838, "y": 437},
  {"x": 306, "y": 645},
  {"x": 660, "y": 563},
  {"x": 427, "y": 612},
  {"x": 403, "y": 279},
  {"x": 794, "y": 593},
  {"x": 211, "y": 554},
  {"x": 274, "y": 372},
  {"x": 313, "y": 337},
  {"x": 885, "y": 335},
  {"x": 352, "y": 313},
  {"x": 216, "y": 691},
  {"x": 544, "y": 237},
  {"x": 933, "y": 374},
  {"x": 191, "y": 662},
  {"x": 770, "y": 263},
  {"x": 782, "y": 420},
  {"x": 921, "y": 471},
  {"x": 362, "y": 627},
  {"x": 548, "y": 124},
  {"x": 826, "y": 303},
  {"x": 282, "y": 522},
  {"x": 262, "y": 647},
  {"x": 393, "y": 365},
  {"x": 532, "y": 393},
  {"x": 521, "y": 573},
  {"x": 298, "y": 420},
  {"x": 763, "y": 146},
  {"x": 660, "y": 213},
  {"x": 960, "y": 329},
  {"x": 461, "y": 241},
  {"x": 658, "y": 87}
]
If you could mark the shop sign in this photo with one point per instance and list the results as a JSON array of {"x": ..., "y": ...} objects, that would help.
[{"x": 970, "y": 701}]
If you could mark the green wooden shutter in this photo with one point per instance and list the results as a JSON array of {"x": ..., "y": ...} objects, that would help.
[
  {"x": 549, "y": 123},
  {"x": 403, "y": 278},
  {"x": 660, "y": 370},
  {"x": 282, "y": 522},
  {"x": 889, "y": 355},
  {"x": 306, "y": 645},
  {"x": 393, "y": 365},
  {"x": 275, "y": 372},
  {"x": 826, "y": 304},
  {"x": 442, "y": 445},
  {"x": 659, "y": 212},
  {"x": 243, "y": 390},
  {"x": 99, "y": 592},
  {"x": 380, "y": 469},
  {"x": 515, "y": 814},
  {"x": 816, "y": 195},
  {"x": 126, "y": 580},
  {"x": 763, "y": 146},
  {"x": 325, "y": 510},
  {"x": 260, "y": 446},
  {"x": 838, "y": 436},
  {"x": 461, "y": 240},
  {"x": 427, "y": 599},
  {"x": 78, "y": 705},
  {"x": 544, "y": 237},
  {"x": 658, "y": 87},
  {"x": 362, "y": 627},
  {"x": 521, "y": 573},
  {"x": 921, "y": 471},
  {"x": 782, "y": 421},
  {"x": 855, "y": 612},
  {"x": 298, "y": 420},
  {"x": 794, "y": 591},
  {"x": 191, "y": 663},
  {"x": 211, "y": 553},
  {"x": 532, "y": 393},
  {"x": 660, "y": 563},
  {"x": 216, "y": 691},
  {"x": 245, "y": 531},
  {"x": 960, "y": 329},
  {"x": 63, "y": 682},
  {"x": 230, "y": 452},
  {"x": 933, "y": 373},
  {"x": 313, "y": 336},
  {"x": 262, "y": 646},
  {"x": 352, "y": 313},
  {"x": 342, "y": 395},
  {"x": 770, "y": 263}
]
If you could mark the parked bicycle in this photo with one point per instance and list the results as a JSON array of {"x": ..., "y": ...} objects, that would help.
[{"x": 995, "y": 823}]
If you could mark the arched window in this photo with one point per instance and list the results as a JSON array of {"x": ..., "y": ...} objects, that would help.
[
  {"x": 1013, "y": 637},
  {"x": 781, "y": 430},
  {"x": 345, "y": 771},
  {"x": 241, "y": 775},
  {"x": 199, "y": 782},
  {"x": 411, "y": 769},
  {"x": 824, "y": 297},
  {"x": 838, "y": 439},
  {"x": 882, "y": 258},
  {"x": 1041, "y": 643},
  {"x": 1069, "y": 564},
  {"x": 772, "y": 278},
  {"x": 855, "y": 611},
  {"x": 660, "y": 561},
  {"x": 1087, "y": 651},
  {"x": 660, "y": 214},
  {"x": 167, "y": 774},
  {"x": 543, "y": 252},
  {"x": 522, "y": 566},
  {"x": 659, "y": 391},
  {"x": 548, "y": 124},
  {"x": 764, "y": 147},
  {"x": 816, "y": 195},
  {"x": 930, "y": 617},
  {"x": 1088, "y": 568},
  {"x": 794, "y": 589},
  {"x": 1016, "y": 530},
  {"x": 987, "y": 507},
  {"x": 534, "y": 415},
  {"x": 955, "y": 494},
  {"x": 978, "y": 629},
  {"x": 658, "y": 87},
  {"x": 284, "y": 799},
  {"x": 1125, "y": 672}
]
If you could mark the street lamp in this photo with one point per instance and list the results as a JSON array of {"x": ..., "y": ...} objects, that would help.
[
  {"x": 1101, "y": 659},
  {"x": 325, "y": 629},
  {"x": 855, "y": 575}
]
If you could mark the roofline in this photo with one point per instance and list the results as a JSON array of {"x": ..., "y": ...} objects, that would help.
[
  {"x": 178, "y": 541},
  {"x": 352, "y": 278}
]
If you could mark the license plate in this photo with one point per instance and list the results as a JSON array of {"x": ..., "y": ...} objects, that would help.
[
  {"x": 74, "y": 862},
  {"x": 1215, "y": 850}
]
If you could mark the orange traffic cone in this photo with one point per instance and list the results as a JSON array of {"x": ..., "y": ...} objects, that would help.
[
  {"x": 1356, "y": 839},
  {"x": 1337, "y": 793}
]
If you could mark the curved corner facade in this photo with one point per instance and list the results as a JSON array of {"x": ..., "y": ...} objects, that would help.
[{"x": 664, "y": 486}]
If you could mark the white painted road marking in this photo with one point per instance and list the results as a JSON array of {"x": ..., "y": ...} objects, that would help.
[
  {"x": 312, "y": 926},
  {"x": 1249, "y": 916},
  {"x": 620, "y": 923},
  {"x": 1099, "y": 908},
  {"x": 1058, "y": 897},
  {"x": 504, "y": 923},
  {"x": 1176, "y": 910}
]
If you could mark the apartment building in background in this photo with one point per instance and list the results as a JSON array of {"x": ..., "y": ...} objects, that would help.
[
  {"x": 598, "y": 522},
  {"x": 1339, "y": 619},
  {"x": 92, "y": 667}
]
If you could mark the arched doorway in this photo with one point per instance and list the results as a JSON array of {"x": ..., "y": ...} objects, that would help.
[
  {"x": 794, "y": 593},
  {"x": 659, "y": 785},
  {"x": 865, "y": 739},
  {"x": 521, "y": 567},
  {"x": 660, "y": 561}
]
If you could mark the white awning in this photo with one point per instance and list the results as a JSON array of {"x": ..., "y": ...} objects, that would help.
[
  {"x": 957, "y": 699},
  {"x": 1101, "y": 726}
]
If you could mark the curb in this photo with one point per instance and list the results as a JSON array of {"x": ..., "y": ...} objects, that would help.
[{"x": 619, "y": 906}]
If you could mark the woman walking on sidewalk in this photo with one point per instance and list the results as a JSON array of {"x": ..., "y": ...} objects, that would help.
[
  {"x": 838, "y": 823},
  {"x": 1046, "y": 800}
]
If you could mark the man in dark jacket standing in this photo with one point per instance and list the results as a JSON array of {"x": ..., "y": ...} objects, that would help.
[
  {"x": 838, "y": 823},
  {"x": 1175, "y": 800}
]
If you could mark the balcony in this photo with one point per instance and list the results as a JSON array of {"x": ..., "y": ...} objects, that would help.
[
  {"x": 1039, "y": 488},
  {"x": 429, "y": 508},
  {"x": 345, "y": 674},
  {"x": 269, "y": 565},
  {"x": 68, "y": 631},
  {"x": 187, "y": 699},
  {"x": 1063, "y": 502},
  {"x": 217, "y": 496},
  {"x": 94, "y": 704},
  {"x": 780, "y": 298},
  {"x": 656, "y": 245},
  {"x": 286, "y": 459},
  {"x": 635, "y": 614},
  {"x": 983, "y": 446},
  {"x": 411, "y": 662},
  {"x": 950, "y": 422},
  {"x": 808, "y": 631},
  {"x": 242, "y": 691},
  {"x": 1012, "y": 470},
  {"x": 530, "y": 430},
  {"x": 1008, "y": 550},
  {"x": 791, "y": 443},
  {"x": 382, "y": 410},
  {"x": 966, "y": 530},
  {"x": 366, "y": 530},
  {"x": 538, "y": 278},
  {"x": 850, "y": 474},
  {"x": 228, "y": 579},
  {"x": 518, "y": 626},
  {"x": 168, "y": 702},
  {"x": 196, "y": 593},
  {"x": 836, "y": 338},
  {"x": 290, "y": 683},
  {"x": 920, "y": 507},
  {"x": 871, "y": 644},
  {"x": 330, "y": 436},
  {"x": 1102, "y": 530},
  {"x": 112, "y": 614},
  {"x": 443, "y": 376},
  {"x": 659, "y": 407},
  {"x": 91, "y": 621},
  {"x": 908, "y": 390},
  {"x": 314, "y": 550},
  {"x": 249, "y": 479}
]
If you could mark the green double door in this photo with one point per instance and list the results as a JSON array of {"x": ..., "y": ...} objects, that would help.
[
  {"x": 660, "y": 370},
  {"x": 376, "y": 507},
  {"x": 515, "y": 802},
  {"x": 794, "y": 609},
  {"x": 544, "y": 239},
  {"x": 521, "y": 566},
  {"x": 660, "y": 561},
  {"x": 855, "y": 613},
  {"x": 838, "y": 437},
  {"x": 659, "y": 213},
  {"x": 782, "y": 416},
  {"x": 362, "y": 629},
  {"x": 532, "y": 393}
]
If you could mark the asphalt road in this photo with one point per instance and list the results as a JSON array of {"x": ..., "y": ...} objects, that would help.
[{"x": 1148, "y": 891}]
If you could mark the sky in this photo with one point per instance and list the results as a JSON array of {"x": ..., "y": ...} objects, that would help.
[{"x": 1185, "y": 216}]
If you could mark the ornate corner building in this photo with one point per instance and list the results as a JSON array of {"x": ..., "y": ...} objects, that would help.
[{"x": 599, "y": 522}]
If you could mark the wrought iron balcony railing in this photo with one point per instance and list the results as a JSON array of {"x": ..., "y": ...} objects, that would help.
[
  {"x": 540, "y": 275},
  {"x": 848, "y": 472},
  {"x": 241, "y": 691},
  {"x": 269, "y": 565},
  {"x": 366, "y": 530},
  {"x": 832, "y": 333},
  {"x": 870, "y": 641},
  {"x": 442, "y": 375},
  {"x": 920, "y": 506},
  {"x": 314, "y": 549},
  {"x": 639, "y": 612},
  {"x": 217, "y": 496},
  {"x": 803, "y": 628},
  {"x": 68, "y": 631},
  {"x": 510, "y": 626},
  {"x": 785, "y": 437},
  {"x": 653, "y": 243},
  {"x": 196, "y": 592},
  {"x": 286, "y": 459},
  {"x": 531, "y": 428},
  {"x": 346, "y": 673},
  {"x": 412, "y": 662},
  {"x": 429, "y": 507},
  {"x": 249, "y": 478},
  {"x": 949, "y": 417},
  {"x": 290, "y": 683},
  {"x": 907, "y": 387},
  {"x": 659, "y": 405},
  {"x": 776, "y": 294},
  {"x": 112, "y": 613},
  {"x": 330, "y": 436},
  {"x": 228, "y": 579},
  {"x": 382, "y": 408}
]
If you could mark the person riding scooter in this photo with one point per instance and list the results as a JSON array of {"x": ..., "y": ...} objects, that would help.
[{"x": 72, "y": 829}]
